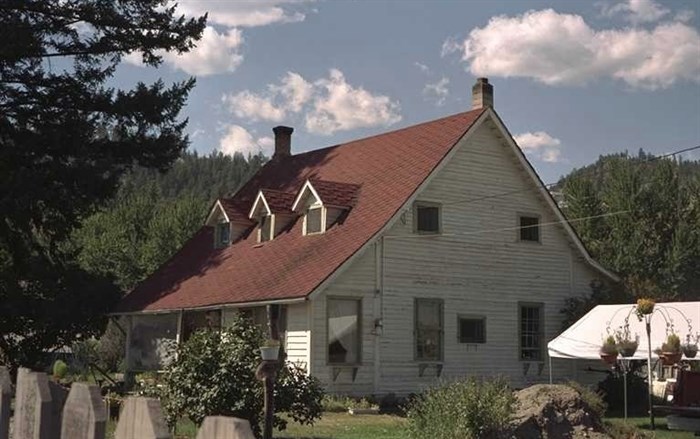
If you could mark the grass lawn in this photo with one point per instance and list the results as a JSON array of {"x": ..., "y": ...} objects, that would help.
[
  {"x": 345, "y": 426},
  {"x": 661, "y": 431}
]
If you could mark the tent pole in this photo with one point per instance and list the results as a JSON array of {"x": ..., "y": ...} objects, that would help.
[
  {"x": 649, "y": 376},
  {"x": 550, "y": 368}
]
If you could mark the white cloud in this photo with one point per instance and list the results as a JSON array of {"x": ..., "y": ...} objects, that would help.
[
  {"x": 254, "y": 107},
  {"x": 243, "y": 13},
  {"x": 327, "y": 105},
  {"x": 540, "y": 145},
  {"x": 238, "y": 139},
  {"x": 289, "y": 95},
  {"x": 636, "y": 11},
  {"x": 423, "y": 68},
  {"x": 437, "y": 91},
  {"x": 214, "y": 53},
  {"x": 684, "y": 16},
  {"x": 561, "y": 49},
  {"x": 294, "y": 90},
  {"x": 341, "y": 106}
]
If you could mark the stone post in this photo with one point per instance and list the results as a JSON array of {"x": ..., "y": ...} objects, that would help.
[
  {"x": 141, "y": 418},
  {"x": 84, "y": 414},
  {"x": 224, "y": 427},
  {"x": 32, "y": 419}
]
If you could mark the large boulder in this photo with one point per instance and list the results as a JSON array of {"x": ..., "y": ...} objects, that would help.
[{"x": 555, "y": 411}]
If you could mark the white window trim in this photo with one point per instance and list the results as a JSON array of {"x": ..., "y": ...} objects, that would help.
[
  {"x": 324, "y": 213},
  {"x": 419, "y": 204},
  {"x": 218, "y": 243},
  {"x": 272, "y": 229}
]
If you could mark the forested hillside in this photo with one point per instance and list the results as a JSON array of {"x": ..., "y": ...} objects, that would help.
[
  {"x": 646, "y": 224},
  {"x": 154, "y": 213}
]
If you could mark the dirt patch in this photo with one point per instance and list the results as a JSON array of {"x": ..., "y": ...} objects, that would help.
[{"x": 555, "y": 412}]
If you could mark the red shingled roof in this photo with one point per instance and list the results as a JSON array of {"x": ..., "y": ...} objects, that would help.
[
  {"x": 387, "y": 169},
  {"x": 278, "y": 201},
  {"x": 333, "y": 193}
]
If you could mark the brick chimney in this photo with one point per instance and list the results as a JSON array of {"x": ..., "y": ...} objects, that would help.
[
  {"x": 283, "y": 141},
  {"x": 482, "y": 94}
]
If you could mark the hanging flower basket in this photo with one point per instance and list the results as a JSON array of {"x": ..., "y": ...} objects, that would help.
[
  {"x": 645, "y": 307},
  {"x": 608, "y": 359},
  {"x": 627, "y": 348},
  {"x": 670, "y": 358},
  {"x": 690, "y": 350}
]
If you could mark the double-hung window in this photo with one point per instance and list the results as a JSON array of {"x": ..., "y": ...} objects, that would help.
[
  {"x": 428, "y": 329},
  {"x": 344, "y": 330},
  {"x": 223, "y": 234},
  {"x": 531, "y": 324},
  {"x": 313, "y": 220},
  {"x": 265, "y": 232}
]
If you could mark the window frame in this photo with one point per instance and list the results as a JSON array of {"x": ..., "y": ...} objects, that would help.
[
  {"x": 520, "y": 227},
  {"x": 218, "y": 241},
  {"x": 323, "y": 219},
  {"x": 441, "y": 349},
  {"x": 420, "y": 204},
  {"x": 358, "y": 301},
  {"x": 461, "y": 317},
  {"x": 540, "y": 333},
  {"x": 270, "y": 222}
]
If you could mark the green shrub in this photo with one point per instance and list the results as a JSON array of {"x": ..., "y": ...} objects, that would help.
[
  {"x": 60, "y": 369},
  {"x": 336, "y": 403},
  {"x": 214, "y": 374},
  {"x": 593, "y": 399},
  {"x": 463, "y": 409}
]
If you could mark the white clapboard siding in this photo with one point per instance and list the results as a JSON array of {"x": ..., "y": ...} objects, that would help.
[
  {"x": 474, "y": 267},
  {"x": 298, "y": 337}
]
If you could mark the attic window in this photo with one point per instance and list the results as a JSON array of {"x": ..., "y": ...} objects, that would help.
[
  {"x": 265, "y": 228},
  {"x": 223, "y": 234},
  {"x": 426, "y": 217},
  {"x": 529, "y": 228},
  {"x": 313, "y": 220}
]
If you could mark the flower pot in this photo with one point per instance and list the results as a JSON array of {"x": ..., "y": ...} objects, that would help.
[
  {"x": 270, "y": 353},
  {"x": 670, "y": 358},
  {"x": 609, "y": 358},
  {"x": 628, "y": 351},
  {"x": 690, "y": 351}
]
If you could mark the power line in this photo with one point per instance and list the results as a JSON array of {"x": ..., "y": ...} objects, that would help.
[{"x": 548, "y": 185}]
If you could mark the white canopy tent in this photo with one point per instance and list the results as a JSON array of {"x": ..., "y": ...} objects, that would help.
[{"x": 584, "y": 338}]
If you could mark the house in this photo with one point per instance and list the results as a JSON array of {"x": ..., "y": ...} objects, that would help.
[{"x": 430, "y": 251}]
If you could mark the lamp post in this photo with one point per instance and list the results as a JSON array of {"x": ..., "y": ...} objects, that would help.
[
  {"x": 267, "y": 370},
  {"x": 647, "y": 321}
]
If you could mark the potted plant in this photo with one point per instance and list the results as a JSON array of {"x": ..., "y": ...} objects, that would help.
[
  {"x": 270, "y": 350},
  {"x": 608, "y": 351},
  {"x": 645, "y": 307},
  {"x": 671, "y": 350},
  {"x": 626, "y": 346},
  {"x": 690, "y": 349}
]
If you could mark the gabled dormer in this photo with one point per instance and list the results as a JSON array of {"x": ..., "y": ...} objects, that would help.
[
  {"x": 322, "y": 203},
  {"x": 272, "y": 211},
  {"x": 229, "y": 225}
]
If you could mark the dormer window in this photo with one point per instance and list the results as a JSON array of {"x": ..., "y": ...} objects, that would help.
[
  {"x": 223, "y": 234},
  {"x": 314, "y": 221},
  {"x": 323, "y": 203},
  {"x": 266, "y": 228}
]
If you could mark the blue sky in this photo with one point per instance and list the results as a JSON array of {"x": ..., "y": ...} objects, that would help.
[{"x": 573, "y": 79}]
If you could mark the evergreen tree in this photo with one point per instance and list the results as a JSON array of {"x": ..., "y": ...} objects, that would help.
[{"x": 65, "y": 141}]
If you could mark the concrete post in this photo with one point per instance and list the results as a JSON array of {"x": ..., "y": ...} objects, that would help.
[
  {"x": 141, "y": 418},
  {"x": 5, "y": 400},
  {"x": 84, "y": 414},
  {"x": 224, "y": 427}
]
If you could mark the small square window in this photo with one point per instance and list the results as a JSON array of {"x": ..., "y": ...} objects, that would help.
[
  {"x": 529, "y": 228},
  {"x": 314, "y": 220},
  {"x": 472, "y": 330},
  {"x": 427, "y": 218}
]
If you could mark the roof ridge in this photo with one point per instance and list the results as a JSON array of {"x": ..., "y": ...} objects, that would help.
[{"x": 361, "y": 139}]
